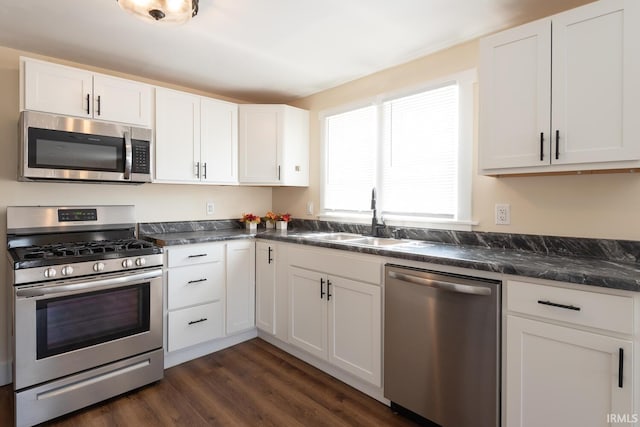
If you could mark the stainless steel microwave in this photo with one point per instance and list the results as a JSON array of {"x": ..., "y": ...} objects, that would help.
[{"x": 72, "y": 149}]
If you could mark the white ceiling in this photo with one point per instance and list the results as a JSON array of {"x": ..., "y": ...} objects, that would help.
[{"x": 260, "y": 50}]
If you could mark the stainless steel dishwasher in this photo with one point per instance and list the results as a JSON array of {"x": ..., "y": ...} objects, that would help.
[{"x": 441, "y": 346}]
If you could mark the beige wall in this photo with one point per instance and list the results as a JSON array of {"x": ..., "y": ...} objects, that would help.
[
  {"x": 599, "y": 206},
  {"x": 154, "y": 202}
]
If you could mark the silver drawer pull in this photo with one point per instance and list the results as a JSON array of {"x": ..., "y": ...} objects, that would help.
[
  {"x": 555, "y": 304},
  {"x": 204, "y": 319},
  {"x": 196, "y": 281}
]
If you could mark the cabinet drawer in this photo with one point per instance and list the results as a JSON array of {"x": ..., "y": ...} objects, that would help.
[
  {"x": 194, "y": 254},
  {"x": 194, "y": 325},
  {"x": 194, "y": 284},
  {"x": 592, "y": 309},
  {"x": 365, "y": 268}
]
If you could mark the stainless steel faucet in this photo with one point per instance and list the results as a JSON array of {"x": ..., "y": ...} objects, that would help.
[{"x": 375, "y": 225}]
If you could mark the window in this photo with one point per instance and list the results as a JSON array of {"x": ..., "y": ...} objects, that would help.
[{"x": 414, "y": 148}]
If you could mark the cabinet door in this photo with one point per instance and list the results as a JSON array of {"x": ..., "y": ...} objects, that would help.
[
  {"x": 308, "y": 311},
  {"x": 355, "y": 328},
  {"x": 266, "y": 287},
  {"x": 57, "y": 89},
  {"x": 294, "y": 162},
  {"x": 595, "y": 83},
  {"x": 260, "y": 132},
  {"x": 240, "y": 286},
  {"x": 219, "y": 141},
  {"x": 120, "y": 100},
  {"x": 515, "y": 90},
  {"x": 558, "y": 376},
  {"x": 177, "y": 136}
]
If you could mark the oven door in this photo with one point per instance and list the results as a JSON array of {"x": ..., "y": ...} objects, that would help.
[{"x": 69, "y": 326}]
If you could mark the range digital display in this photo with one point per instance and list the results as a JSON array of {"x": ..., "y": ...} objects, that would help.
[{"x": 74, "y": 215}]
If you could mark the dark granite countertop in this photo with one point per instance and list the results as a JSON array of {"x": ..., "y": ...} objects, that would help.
[
  {"x": 573, "y": 269},
  {"x": 201, "y": 236}
]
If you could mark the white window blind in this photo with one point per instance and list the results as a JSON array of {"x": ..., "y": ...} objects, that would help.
[
  {"x": 350, "y": 159},
  {"x": 415, "y": 148},
  {"x": 420, "y": 152}
]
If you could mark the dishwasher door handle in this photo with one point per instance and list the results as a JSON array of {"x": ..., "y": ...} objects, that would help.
[{"x": 441, "y": 284}]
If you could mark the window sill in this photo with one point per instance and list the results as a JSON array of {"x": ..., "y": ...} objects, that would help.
[{"x": 397, "y": 221}]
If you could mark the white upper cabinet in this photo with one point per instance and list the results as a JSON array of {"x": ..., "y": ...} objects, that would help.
[
  {"x": 196, "y": 139},
  {"x": 273, "y": 145},
  {"x": 177, "y": 136},
  {"x": 562, "y": 94},
  {"x": 515, "y": 78},
  {"x": 58, "y": 89},
  {"x": 120, "y": 100},
  {"x": 219, "y": 141}
]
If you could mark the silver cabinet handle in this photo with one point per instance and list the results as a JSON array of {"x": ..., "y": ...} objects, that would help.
[{"x": 441, "y": 284}]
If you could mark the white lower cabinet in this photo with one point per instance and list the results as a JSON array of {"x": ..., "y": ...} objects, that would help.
[
  {"x": 560, "y": 370},
  {"x": 335, "y": 318},
  {"x": 195, "y": 325},
  {"x": 195, "y": 294},
  {"x": 266, "y": 287},
  {"x": 210, "y": 292},
  {"x": 240, "y": 286}
]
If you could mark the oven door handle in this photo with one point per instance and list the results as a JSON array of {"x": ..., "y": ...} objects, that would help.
[{"x": 112, "y": 282}]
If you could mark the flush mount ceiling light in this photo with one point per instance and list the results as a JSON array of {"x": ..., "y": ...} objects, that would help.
[{"x": 169, "y": 11}]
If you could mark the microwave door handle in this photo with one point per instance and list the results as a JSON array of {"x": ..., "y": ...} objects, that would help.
[{"x": 127, "y": 155}]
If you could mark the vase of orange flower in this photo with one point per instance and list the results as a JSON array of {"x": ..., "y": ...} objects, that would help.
[
  {"x": 251, "y": 222},
  {"x": 283, "y": 220},
  {"x": 270, "y": 219}
]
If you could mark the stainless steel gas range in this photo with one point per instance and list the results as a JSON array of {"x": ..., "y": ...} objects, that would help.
[{"x": 87, "y": 307}]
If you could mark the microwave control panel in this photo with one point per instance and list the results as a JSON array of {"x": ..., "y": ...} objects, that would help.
[{"x": 141, "y": 157}]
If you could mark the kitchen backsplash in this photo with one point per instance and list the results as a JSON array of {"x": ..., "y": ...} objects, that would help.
[{"x": 613, "y": 250}]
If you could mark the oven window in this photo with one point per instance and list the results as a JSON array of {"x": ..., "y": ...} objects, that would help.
[
  {"x": 69, "y": 150},
  {"x": 73, "y": 322}
]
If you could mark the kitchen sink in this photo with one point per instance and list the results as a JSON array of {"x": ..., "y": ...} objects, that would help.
[
  {"x": 377, "y": 241},
  {"x": 336, "y": 237},
  {"x": 356, "y": 239}
]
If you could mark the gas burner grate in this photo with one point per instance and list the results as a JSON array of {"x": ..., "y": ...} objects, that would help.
[{"x": 80, "y": 249}]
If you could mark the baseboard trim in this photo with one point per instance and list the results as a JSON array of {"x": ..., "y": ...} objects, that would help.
[
  {"x": 180, "y": 356},
  {"x": 366, "y": 388}
]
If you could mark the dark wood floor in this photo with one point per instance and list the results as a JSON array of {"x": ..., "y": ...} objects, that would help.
[{"x": 250, "y": 384}]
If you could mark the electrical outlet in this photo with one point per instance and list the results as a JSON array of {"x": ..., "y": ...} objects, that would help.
[
  {"x": 210, "y": 208},
  {"x": 503, "y": 214},
  {"x": 309, "y": 208}
]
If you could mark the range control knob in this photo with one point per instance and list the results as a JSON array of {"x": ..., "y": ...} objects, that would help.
[
  {"x": 127, "y": 263},
  {"x": 140, "y": 262},
  {"x": 50, "y": 272},
  {"x": 98, "y": 266},
  {"x": 66, "y": 271}
]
